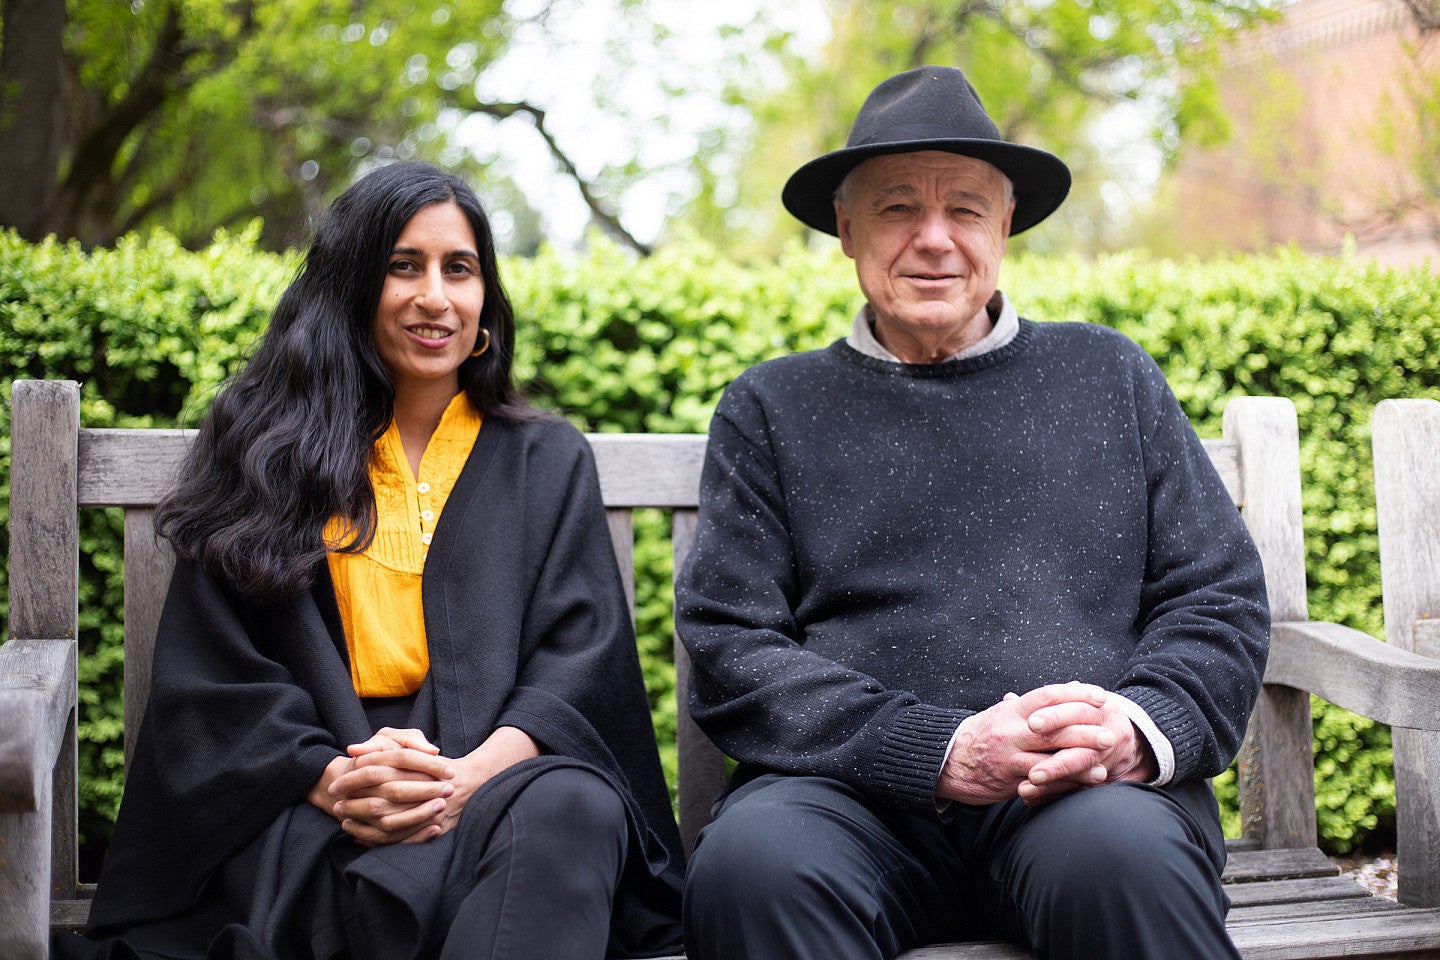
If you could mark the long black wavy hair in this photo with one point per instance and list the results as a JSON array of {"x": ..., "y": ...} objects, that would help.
[{"x": 287, "y": 442}]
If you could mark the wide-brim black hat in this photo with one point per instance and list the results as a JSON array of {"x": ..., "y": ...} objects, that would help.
[{"x": 930, "y": 108}]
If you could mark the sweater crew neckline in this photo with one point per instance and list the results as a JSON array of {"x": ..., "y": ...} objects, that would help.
[{"x": 938, "y": 371}]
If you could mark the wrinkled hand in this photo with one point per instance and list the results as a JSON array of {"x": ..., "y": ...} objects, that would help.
[{"x": 1052, "y": 741}]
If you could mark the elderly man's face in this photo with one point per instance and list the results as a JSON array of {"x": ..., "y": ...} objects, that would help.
[{"x": 926, "y": 231}]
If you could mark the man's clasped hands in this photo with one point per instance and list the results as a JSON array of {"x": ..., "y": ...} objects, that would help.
[{"x": 1052, "y": 741}]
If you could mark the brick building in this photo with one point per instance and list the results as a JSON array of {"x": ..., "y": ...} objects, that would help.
[{"x": 1336, "y": 133}]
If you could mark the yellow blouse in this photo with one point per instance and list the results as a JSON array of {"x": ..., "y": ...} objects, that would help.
[{"x": 378, "y": 591}]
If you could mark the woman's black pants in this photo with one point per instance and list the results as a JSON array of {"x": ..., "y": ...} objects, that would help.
[{"x": 548, "y": 876}]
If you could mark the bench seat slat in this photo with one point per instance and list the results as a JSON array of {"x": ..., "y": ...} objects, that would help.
[
  {"x": 1295, "y": 891},
  {"x": 1403, "y": 933},
  {"x": 1248, "y": 866},
  {"x": 1271, "y": 912}
]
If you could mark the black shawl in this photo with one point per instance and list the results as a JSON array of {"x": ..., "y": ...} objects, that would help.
[{"x": 527, "y": 626}]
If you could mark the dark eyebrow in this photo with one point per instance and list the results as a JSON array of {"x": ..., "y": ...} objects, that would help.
[{"x": 415, "y": 252}]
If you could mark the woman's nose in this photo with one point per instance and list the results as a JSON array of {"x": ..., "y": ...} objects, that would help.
[{"x": 431, "y": 296}]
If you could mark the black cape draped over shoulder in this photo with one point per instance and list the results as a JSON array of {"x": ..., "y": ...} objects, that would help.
[{"x": 217, "y": 852}]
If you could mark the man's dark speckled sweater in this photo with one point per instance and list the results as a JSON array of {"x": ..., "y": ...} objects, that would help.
[{"x": 886, "y": 548}]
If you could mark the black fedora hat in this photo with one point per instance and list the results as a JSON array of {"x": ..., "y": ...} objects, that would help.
[{"x": 930, "y": 108}]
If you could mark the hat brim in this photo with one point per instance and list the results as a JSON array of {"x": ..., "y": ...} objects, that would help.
[{"x": 1041, "y": 179}]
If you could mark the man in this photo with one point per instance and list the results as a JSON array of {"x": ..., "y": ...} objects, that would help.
[{"x": 967, "y": 602}]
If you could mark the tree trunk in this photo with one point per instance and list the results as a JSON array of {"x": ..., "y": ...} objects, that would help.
[{"x": 32, "y": 112}]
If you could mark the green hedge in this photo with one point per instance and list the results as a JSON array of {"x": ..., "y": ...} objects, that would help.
[{"x": 620, "y": 344}]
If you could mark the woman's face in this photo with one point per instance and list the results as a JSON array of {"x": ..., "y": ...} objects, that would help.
[{"x": 428, "y": 318}]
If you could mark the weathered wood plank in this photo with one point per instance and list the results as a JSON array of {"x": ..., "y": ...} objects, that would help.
[
  {"x": 1402, "y": 933},
  {"x": 622, "y": 541},
  {"x": 1276, "y": 765},
  {"x": 44, "y": 525},
  {"x": 69, "y": 914},
  {"x": 986, "y": 950},
  {"x": 122, "y": 468},
  {"x": 1296, "y": 891},
  {"x": 649, "y": 470},
  {"x": 1426, "y": 637},
  {"x": 1356, "y": 671},
  {"x": 37, "y": 695},
  {"x": 129, "y": 468},
  {"x": 37, "y": 700},
  {"x": 1284, "y": 864},
  {"x": 1377, "y": 936},
  {"x": 702, "y": 765},
  {"x": 1225, "y": 455},
  {"x": 1272, "y": 912},
  {"x": 25, "y": 880},
  {"x": 1406, "y": 438},
  {"x": 1384, "y": 936},
  {"x": 149, "y": 562},
  {"x": 45, "y": 569}
]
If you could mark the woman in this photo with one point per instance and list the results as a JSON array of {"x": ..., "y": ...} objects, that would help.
[{"x": 342, "y": 757}]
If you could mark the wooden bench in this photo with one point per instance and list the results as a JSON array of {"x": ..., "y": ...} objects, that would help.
[{"x": 1289, "y": 900}]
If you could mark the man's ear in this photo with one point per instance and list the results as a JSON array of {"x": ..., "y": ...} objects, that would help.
[{"x": 842, "y": 229}]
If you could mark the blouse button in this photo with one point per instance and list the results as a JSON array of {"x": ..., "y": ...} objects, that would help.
[
  {"x": 423, "y": 487},
  {"x": 427, "y": 514},
  {"x": 425, "y": 538}
]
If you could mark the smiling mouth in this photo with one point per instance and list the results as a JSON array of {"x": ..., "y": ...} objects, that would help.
[{"x": 430, "y": 333}]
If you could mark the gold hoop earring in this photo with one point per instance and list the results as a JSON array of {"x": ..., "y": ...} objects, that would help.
[{"x": 484, "y": 346}]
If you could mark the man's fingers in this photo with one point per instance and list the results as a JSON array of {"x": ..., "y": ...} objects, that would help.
[
  {"x": 1061, "y": 715},
  {"x": 1080, "y": 765},
  {"x": 1056, "y": 693}
]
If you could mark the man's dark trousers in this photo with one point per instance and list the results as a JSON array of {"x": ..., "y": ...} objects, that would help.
[{"x": 801, "y": 867}]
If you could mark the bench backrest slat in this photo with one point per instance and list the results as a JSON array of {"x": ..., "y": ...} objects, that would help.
[{"x": 1406, "y": 434}]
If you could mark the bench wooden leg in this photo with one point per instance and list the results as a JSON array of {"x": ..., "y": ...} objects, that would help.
[{"x": 25, "y": 881}]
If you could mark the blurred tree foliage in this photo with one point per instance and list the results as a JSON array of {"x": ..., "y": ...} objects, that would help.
[
  {"x": 202, "y": 114},
  {"x": 199, "y": 114},
  {"x": 1047, "y": 70}
]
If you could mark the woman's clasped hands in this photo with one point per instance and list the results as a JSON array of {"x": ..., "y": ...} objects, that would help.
[
  {"x": 397, "y": 788},
  {"x": 392, "y": 788}
]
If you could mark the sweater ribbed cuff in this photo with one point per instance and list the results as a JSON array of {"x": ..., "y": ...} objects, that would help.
[
  {"x": 1176, "y": 724},
  {"x": 912, "y": 750}
]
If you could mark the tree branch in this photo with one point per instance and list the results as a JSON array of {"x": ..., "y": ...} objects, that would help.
[
  {"x": 169, "y": 71},
  {"x": 607, "y": 219},
  {"x": 1425, "y": 14}
]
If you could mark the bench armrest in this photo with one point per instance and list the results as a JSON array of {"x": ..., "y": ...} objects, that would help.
[
  {"x": 1355, "y": 671},
  {"x": 37, "y": 694}
]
